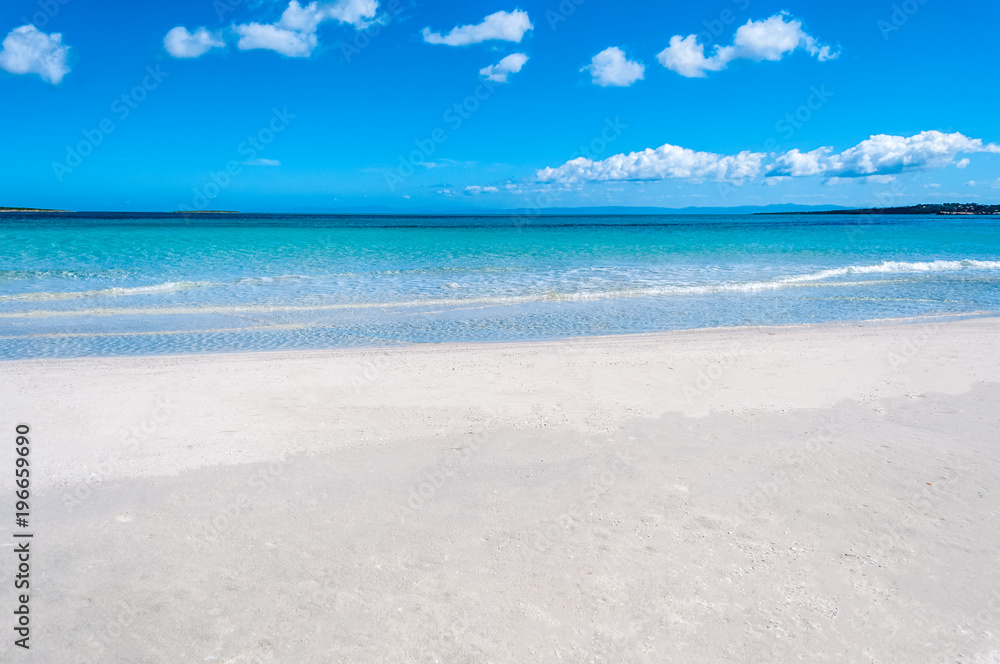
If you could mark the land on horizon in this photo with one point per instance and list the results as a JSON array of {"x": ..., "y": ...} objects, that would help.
[{"x": 784, "y": 209}]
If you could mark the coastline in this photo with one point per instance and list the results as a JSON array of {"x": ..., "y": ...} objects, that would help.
[{"x": 813, "y": 492}]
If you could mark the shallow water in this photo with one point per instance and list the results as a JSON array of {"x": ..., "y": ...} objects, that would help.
[{"x": 117, "y": 284}]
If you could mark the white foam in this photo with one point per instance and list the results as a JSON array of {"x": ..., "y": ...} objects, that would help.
[
  {"x": 118, "y": 291},
  {"x": 813, "y": 279},
  {"x": 895, "y": 267}
]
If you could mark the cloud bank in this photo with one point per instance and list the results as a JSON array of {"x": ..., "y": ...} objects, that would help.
[
  {"x": 877, "y": 159},
  {"x": 502, "y": 26},
  {"x": 881, "y": 155},
  {"x": 27, "y": 50},
  {"x": 665, "y": 162},
  {"x": 610, "y": 67},
  {"x": 770, "y": 39},
  {"x": 509, "y": 65}
]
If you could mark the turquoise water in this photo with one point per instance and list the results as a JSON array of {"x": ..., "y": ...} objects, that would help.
[{"x": 113, "y": 284}]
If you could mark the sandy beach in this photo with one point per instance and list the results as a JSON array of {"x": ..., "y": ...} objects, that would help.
[{"x": 819, "y": 494}]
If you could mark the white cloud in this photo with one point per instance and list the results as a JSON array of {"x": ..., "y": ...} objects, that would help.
[
  {"x": 611, "y": 67},
  {"x": 291, "y": 43},
  {"x": 995, "y": 184},
  {"x": 962, "y": 163},
  {"x": 665, "y": 162},
  {"x": 504, "y": 26},
  {"x": 475, "y": 190},
  {"x": 877, "y": 159},
  {"x": 183, "y": 44},
  {"x": 880, "y": 155},
  {"x": 27, "y": 50},
  {"x": 262, "y": 162},
  {"x": 509, "y": 65},
  {"x": 294, "y": 35},
  {"x": 768, "y": 39},
  {"x": 358, "y": 13},
  {"x": 870, "y": 179}
]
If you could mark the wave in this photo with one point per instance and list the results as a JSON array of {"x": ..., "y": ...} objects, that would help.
[
  {"x": 547, "y": 296},
  {"x": 895, "y": 267},
  {"x": 155, "y": 289},
  {"x": 118, "y": 291},
  {"x": 820, "y": 278}
]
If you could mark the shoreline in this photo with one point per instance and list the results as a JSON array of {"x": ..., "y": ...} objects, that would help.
[{"x": 457, "y": 345}]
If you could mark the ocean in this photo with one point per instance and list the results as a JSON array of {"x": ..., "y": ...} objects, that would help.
[{"x": 76, "y": 285}]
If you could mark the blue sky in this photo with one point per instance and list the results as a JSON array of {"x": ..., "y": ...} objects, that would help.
[{"x": 353, "y": 103}]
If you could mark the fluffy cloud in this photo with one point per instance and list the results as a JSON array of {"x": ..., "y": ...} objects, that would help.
[
  {"x": 27, "y": 50},
  {"x": 877, "y": 159},
  {"x": 880, "y": 155},
  {"x": 769, "y": 39},
  {"x": 509, "y": 65},
  {"x": 293, "y": 35},
  {"x": 611, "y": 67},
  {"x": 183, "y": 44},
  {"x": 271, "y": 37},
  {"x": 665, "y": 162},
  {"x": 504, "y": 26}
]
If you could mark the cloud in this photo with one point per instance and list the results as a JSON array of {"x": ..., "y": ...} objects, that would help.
[
  {"x": 290, "y": 43},
  {"x": 475, "y": 190},
  {"x": 27, "y": 50},
  {"x": 769, "y": 39},
  {"x": 509, "y": 65},
  {"x": 611, "y": 67},
  {"x": 870, "y": 179},
  {"x": 962, "y": 163},
  {"x": 877, "y": 159},
  {"x": 880, "y": 155},
  {"x": 504, "y": 26},
  {"x": 995, "y": 184},
  {"x": 262, "y": 162},
  {"x": 665, "y": 162},
  {"x": 294, "y": 35},
  {"x": 183, "y": 44}
]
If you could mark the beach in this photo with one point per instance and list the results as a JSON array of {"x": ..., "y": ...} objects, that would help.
[{"x": 787, "y": 493}]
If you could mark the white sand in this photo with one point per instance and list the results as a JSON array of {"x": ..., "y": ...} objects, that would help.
[{"x": 750, "y": 495}]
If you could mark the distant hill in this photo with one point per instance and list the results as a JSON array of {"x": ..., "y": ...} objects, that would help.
[
  {"x": 607, "y": 210},
  {"x": 21, "y": 209},
  {"x": 923, "y": 208}
]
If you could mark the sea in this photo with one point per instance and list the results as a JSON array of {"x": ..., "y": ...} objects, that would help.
[{"x": 106, "y": 284}]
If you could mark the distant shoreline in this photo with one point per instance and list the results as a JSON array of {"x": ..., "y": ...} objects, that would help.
[
  {"x": 948, "y": 209},
  {"x": 15, "y": 209},
  {"x": 960, "y": 209}
]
